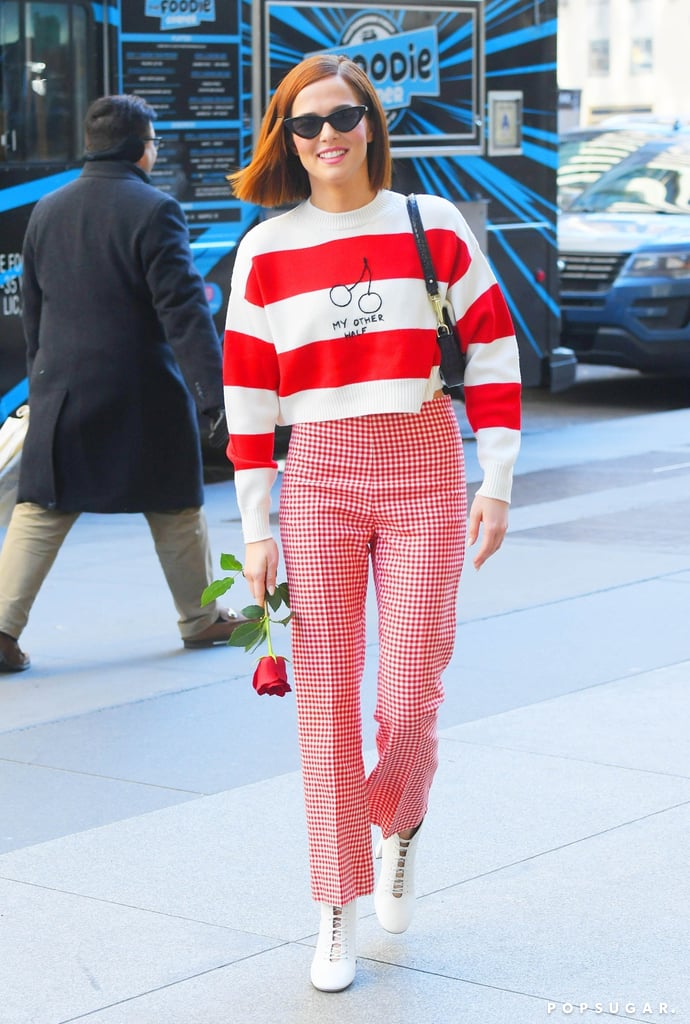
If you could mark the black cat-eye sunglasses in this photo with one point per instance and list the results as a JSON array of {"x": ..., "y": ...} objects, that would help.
[{"x": 308, "y": 126}]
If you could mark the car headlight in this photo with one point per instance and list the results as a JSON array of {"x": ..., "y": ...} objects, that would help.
[{"x": 672, "y": 263}]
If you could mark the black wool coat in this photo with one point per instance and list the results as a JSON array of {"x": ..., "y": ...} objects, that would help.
[{"x": 119, "y": 338}]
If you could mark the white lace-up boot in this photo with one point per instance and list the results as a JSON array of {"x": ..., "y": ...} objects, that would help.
[
  {"x": 334, "y": 963},
  {"x": 394, "y": 898}
]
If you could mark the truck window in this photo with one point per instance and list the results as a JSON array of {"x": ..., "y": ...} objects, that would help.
[{"x": 44, "y": 76}]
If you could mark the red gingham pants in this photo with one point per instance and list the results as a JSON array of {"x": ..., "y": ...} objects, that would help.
[{"x": 390, "y": 487}]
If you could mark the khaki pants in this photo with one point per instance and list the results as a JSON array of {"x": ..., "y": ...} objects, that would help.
[{"x": 35, "y": 535}]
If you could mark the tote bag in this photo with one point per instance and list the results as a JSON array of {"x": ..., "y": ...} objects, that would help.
[{"x": 12, "y": 434}]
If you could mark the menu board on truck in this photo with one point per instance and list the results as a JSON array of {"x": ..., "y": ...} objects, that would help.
[{"x": 183, "y": 57}]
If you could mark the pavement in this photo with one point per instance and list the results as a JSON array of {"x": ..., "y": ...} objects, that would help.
[{"x": 153, "y": 863}]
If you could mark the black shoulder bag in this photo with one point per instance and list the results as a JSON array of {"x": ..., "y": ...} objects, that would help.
[{"x": 452, "y": 358}]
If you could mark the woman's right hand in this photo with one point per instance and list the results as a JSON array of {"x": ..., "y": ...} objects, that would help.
[{"x": 261, "y": 568}]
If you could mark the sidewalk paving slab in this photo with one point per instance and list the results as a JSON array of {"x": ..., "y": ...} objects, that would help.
[
  {"x": 599, "y": 920},
  {"x": 155, "y": 866},
  {"x": 270, "y": 989},
  {"x": 532, "y": 905},
  {"x": 639, "y": 722},
  {"x": 70, "y": 955}
]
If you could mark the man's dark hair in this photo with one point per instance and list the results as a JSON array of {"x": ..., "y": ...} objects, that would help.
[{"x": 111, "y": 120}]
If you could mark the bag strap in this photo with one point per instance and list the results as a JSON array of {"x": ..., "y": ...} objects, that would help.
[{"x": 427, "y": 264}]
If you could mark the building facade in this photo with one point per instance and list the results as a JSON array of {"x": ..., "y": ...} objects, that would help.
[{"x": 623, "y": 57}]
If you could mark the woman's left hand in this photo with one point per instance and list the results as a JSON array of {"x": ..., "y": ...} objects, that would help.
[{"x": 492, "y": 515}]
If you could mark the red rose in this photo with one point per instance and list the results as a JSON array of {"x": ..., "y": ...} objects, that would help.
[{"x": 271, "y": 676}]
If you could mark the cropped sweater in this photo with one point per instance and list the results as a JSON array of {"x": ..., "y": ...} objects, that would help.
[{"x": 329, "y": 318}]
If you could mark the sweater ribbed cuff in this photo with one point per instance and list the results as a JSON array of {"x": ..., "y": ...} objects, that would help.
[
  {"x": 255, "y": 525},
  {"x": 498, "y": 481}
]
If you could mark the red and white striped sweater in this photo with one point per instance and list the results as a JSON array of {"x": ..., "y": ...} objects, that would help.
[{"x": 329, "y": 318}]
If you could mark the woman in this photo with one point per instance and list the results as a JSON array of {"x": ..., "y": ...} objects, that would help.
[{"x": 329, "y": 328}]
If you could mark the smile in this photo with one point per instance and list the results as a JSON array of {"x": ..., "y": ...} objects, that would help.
[{"x": 331, "y": 154}]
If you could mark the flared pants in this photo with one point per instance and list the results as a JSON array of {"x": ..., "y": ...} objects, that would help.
[{"x": 386, "y": 490}]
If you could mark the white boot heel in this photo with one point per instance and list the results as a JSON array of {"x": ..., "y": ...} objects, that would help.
[
  {"x": 394, "y": 898},
  {"x": 334, "y": 964}
]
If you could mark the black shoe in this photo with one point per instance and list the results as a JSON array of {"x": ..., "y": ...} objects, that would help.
[
  {"x": 219, "y": 632},
  {"x": 12, "y": 658}
]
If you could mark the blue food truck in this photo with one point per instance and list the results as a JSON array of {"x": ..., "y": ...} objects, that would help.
[{"x": 469, "y": 87}]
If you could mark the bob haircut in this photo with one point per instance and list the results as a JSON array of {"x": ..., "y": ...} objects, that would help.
[{"x": 275, "y": 175}]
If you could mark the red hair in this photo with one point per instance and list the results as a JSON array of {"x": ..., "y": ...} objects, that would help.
[{"x": 275, "y": 176}]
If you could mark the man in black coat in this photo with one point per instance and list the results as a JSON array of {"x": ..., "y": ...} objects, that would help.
[{"x": 120, "y": 347}]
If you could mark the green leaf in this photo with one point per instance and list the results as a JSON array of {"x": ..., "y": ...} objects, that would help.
[
  {"x": 284, "y": 622},
  {"x": 250, "y": 648},
  {"x": 253, "y": 611},
  {"x": 216, "y": 589},
  {"x": 230, "y": 563},
  {"x": 274, "y": 600},
  {"x": 284, "y": 592},
  {"x": 246, "y": 635}
]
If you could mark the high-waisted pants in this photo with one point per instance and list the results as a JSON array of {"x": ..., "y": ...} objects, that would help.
[{"x": 389, "y": 488}]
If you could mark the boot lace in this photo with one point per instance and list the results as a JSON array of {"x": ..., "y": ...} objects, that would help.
[
  {"x": 339, "y": 937},
  {"x": 398, "y": 882}
]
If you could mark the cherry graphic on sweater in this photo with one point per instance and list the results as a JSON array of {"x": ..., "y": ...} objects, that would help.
[{"x": 341, "y": 294}]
